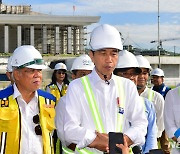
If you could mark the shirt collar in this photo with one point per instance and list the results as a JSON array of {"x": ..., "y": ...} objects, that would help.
[
  {"x": 17, "y": 93},
  {"x": 96, "y": 78}
]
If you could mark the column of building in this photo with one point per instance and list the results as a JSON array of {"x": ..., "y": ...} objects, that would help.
[
  {"x": 44, "y": 41},
  {"x": 19, "y": 35},
  {"x": 81, "y": 39},
  {"x": 6, "y": 38},
  {"x": 69, "y": 40},
  {"x": 57, "y": 41},
  {"x": 75, "y": 40}
]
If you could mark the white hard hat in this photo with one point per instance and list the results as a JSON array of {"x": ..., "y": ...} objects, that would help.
[
  {"x": 158, "y": 72},
  {"x": 60, "y": 66},
  {"x": 82, "y": 62},
  {"x": 9, "y": 66},
  {"x": 105, "y": 36},
  {"x": 127, "y": 60},
  {"x": 143, "y": 62},
  {"x": 27, "y": 56}
]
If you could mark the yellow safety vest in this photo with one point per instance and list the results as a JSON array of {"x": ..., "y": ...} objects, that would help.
[
  {"x": 54, "y": 90},
  {"x": 95, "y": 111},
  {"x": 10, "y": 121}
]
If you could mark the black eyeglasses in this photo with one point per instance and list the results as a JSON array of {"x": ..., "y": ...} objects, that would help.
[
  {"x": 60, "y": 72},
  {"x": 37, "y": 129}
]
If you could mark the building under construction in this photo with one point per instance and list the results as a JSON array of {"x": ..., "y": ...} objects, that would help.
[{"x": 48, "y": 33}]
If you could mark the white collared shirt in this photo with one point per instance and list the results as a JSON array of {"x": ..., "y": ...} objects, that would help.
[
  {"x": 172, "y": 112},
  {"x": 30, "y": 142},
  {"x": 158, "y": 102},
  {"x": 79, "y": 126}
]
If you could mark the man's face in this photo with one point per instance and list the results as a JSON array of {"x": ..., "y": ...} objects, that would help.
[
  {"x": 28, "y": 79},
  {"x": 105, "y": 61},
  {"x": 80, "y": 73},
  {"x": 129, "y": 74},
  {"x": 143, "y": 77},
  {"x": 156, "y": 80}
]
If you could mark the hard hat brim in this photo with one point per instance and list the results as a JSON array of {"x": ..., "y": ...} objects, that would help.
[{"x": 35, "y": 66}]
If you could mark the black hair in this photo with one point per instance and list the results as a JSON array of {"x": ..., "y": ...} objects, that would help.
[
  {"x": 74, "y": 72},
  {"x": 53, "y": 78}
]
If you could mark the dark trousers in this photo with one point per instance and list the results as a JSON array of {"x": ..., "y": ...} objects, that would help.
[{"x": 55, "y": 139}]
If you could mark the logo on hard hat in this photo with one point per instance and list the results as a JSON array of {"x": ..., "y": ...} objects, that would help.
[
  {"x": 16, "y": 61},
  {"x": 86, "y": 62}
]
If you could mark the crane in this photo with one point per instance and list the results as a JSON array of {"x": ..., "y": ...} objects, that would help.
[{"x": 164, "y": 40}]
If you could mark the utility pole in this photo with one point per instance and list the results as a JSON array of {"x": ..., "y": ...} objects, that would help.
[
  {"x": 174, "y": 50},
  {"x": 158, "y": 47}
]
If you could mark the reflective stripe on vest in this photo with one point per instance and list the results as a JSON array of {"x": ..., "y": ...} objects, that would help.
[
  {"x": 92, "y": 104},
  {"x": 67, "y": 150},
  {"x": 179, "y": 91},
  {"x": 120, "y": 117},
  {"x": 150, "y": 95}
]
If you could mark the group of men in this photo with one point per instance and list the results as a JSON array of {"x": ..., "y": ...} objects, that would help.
[{"x": 97, "y": 102}]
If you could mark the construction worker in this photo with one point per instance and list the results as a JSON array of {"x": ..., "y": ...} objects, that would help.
[
  {"x": 58, "y": 86},
  {"x": 157, "y": 79},
  {"x": 101, "y": 102},
  {"x": 26, "y": 112},
  {"x": 150, "y": 94},
  {"x": 81, "y": 66},
  {"x": 9, "y": 70},
  {"x": 172, "y": 118},
  {"x": 128, "y": 67}
]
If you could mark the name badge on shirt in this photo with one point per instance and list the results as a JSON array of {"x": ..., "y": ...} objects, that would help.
[
  {"x": 4, "y": 103},
  {"x": 120, "y": 109}
]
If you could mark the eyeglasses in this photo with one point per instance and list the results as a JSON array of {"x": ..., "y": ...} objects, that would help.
[
  {"x": 37, "y": 129},
  {"x": 60, "y": 72},
  {"x": 129, "y": 74}
]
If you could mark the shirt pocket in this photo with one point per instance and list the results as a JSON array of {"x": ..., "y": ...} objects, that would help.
[
  {"x": 8, "y": 119},
  {"x": 49, "y": 114}
]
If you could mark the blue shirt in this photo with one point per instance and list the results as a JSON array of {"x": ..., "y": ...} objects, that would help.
[
  {"x": 151, "y": 136},
  {"x": 162, "y": 89}
]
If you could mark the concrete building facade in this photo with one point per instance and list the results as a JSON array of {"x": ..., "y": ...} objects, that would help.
[{"x": 48, "y": 33}]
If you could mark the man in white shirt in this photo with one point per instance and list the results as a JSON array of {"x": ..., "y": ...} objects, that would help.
[
  {"x": 150, "y": 94},
  {"x": 81, "y": 66},
  {"x": 26, "y": 112},
  {"x": 172, "y": 118},
  {"x": 96, "y": 102}
]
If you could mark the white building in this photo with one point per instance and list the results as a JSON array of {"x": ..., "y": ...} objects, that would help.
[{"x": 48, "y": 33}]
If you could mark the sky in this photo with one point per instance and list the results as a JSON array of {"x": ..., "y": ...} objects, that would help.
[{"x": 137, "y": 20}]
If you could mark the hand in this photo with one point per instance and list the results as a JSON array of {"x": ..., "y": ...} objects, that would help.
[
  {"x": 128, "y": 140},
  {"x": 100, "y": 142},
  {"x": 124, "y": 148}
]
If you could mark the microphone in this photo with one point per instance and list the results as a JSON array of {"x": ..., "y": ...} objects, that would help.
[
  {"x": 106, "y": 81},
  {"x": 137, "y": 150}
]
